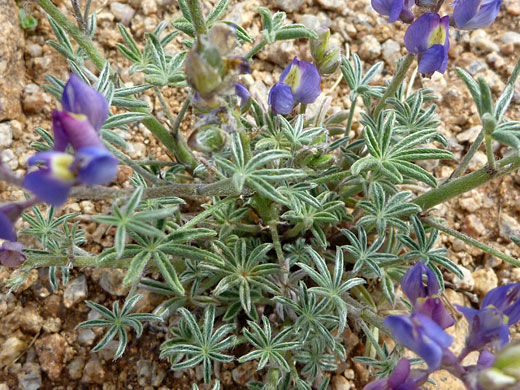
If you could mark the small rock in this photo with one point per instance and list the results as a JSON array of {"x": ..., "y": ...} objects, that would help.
[
  {"x": 158, "y": 374},
  {"x": 511, "y": 37},
  {"x": 477, "y": 66},
  {"x": 93, "y": 372},
  {"x": 11, "y": 348},
  {"x": 33, "y": 99},
  {"x": 473, "y": 226},
  {"x": 370, "y": 49},
  {"x": 469, "y": 135},
  {"x": 458, "y": 245},
  {"x": 112, "y": 282},
  {"x": 34, "y": 50},
  {"x": 339, "y": 382},
  {"x": 281, "y": 52},
  {"x": 467, "y": 282},
  {"x": 9, "y": 159},
  {"x": 50, "y": 350},
  {"x": 478, "y": 161},
  {"x": 144, "y": 372},
  {"x": 333, "y": 5},
  {"x": 31, "y": 321},
  {"x": 482, "y": 41},
  {"x": 485, "y": 280},
  {"x": 52, "y": 325},
  {"x": 109, "y": 351},
  {"x": 3, "y": 386},
  {"x": 391, "y": 51},
  {"x": 122, "y": 12},
  {"x": 75, "y": 368},
  {"x": 86, "y": 336},
  {"x": 315, "y": 21},
  {"x": 30, "y": 378},
  {"x": 508, "y": 226},
  {"x": 149, "y": 7},
  {"x": 76, "y": 291},
  {"x": 289, "y": 5},
  {"x": 243, "y": 373},
  {"x": 6, "y": 134}
]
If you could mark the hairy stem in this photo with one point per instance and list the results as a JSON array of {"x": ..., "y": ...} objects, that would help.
[
  {"x": 256, "y": 49},
  {"x": 471, "y": 241},
  {"x": 350, "y": 117},
  {"x": 466, "y": 183},
  {"x": 461, "y": 169},
  {"x": 396, "y": 82}
]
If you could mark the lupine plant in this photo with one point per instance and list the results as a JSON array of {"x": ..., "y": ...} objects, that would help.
[{"x": 301, "y": 226}]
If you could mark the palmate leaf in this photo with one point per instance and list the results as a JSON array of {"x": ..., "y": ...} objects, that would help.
[
  {"x": 206, "y": 344},
  {"x": 331, "y": 286},
  {"x": 394, "y": 160},
  {"x": 116, "y": 320},
  {"x": 252, "y": 175},
  {"x": 380, "y": 213},
  {"x": 422, "y": 249},
  {"x": 268, "y": 349}
]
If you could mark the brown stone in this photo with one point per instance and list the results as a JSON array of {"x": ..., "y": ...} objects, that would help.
[
  {"x": 51, "y": 350},
  {"x": 12, "y": 67}
]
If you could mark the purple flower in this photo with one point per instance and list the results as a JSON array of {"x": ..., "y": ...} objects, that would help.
[
  {"x": 499, "y": 310},
  {"x": 473, "y": 14},
  {"x": 428, "y": 37},
  {"x": 486, "y": 326},
  {"x": 73, "y": 129},
  {"x": 299, "y": 82},
  {"x": 80, "y": 98},
  {"x": 281, "y": 98},
  {"x": 52, "y": 181},
  {"x": 424, "y": 297},
  {"x": 421, "y": 335},
  {"x": 9, "y": 214},
  {"x": 506, "y": 299},
  {"x": 395, "y": 9},
  {"x": 95, "y": 166},
  {"x": 399, "y": 380},
  {"x": 11, "y": 254},
  {"x": 242, "y": 93}
]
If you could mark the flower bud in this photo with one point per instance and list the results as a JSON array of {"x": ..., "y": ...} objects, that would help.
[
  {"x": 208, "y": 139},
  {"x": 326, "y": 56},
  {"x": 494, "y": 379}
]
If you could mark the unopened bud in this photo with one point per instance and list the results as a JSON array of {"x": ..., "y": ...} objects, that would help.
[
  {"x": 326, "y": 56},
  {"x": 505, "y": 371},
  {"x": 208, "y": 139}
]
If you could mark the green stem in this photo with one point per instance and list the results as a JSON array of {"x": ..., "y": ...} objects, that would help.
[
  {"x": 86, "y": 44},
  {"x": 372, "y": 340},
  {"x": 466, "y": 183},
  {"x": 461, "y": 169},
  {"x": 396, "y": 82},
  {"x": 489, "y": 152},
  {"x": 197, "y": 17},
  {"x": 256, "y": 49},
  {"x": 177, "y": 123},
  {"x": 471, "y": 241},
  {"x": 350, "y": 117}
]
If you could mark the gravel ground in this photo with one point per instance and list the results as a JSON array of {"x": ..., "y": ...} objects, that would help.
[{"x": 39, "y": 347}]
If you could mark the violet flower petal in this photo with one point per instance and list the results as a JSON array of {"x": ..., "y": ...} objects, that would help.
[{"x": 95, "y": 166}]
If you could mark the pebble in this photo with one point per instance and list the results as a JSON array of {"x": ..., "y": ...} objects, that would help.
[
  {"x": 473, "y": 226},
  {"x": 33, "y": 99},
  {"x": 391, "y": 51},
  {"x": 11, "y": 348},
  {"x": 93, "y": 372},
  {"x": 469, "y": 135},
  {"x": 333, "y": 5},
  {"x": 467, "y": 283},
  {"x": 477, "y": 66},
  {"x": 511, "y": 37},
  {"x": 52, "y": 325},
  {"x": 339, "y": 382},
  {"x": 482, "y": 41},
  {"x": 34, "y": 50},
  {"x": 6, "y": 134},
  {"x": 485, "y": 280},
  {"x": 75, "y": 368},
  {"x": 112, "y": 282},
  {"x": 30, "y": 378},
  {"x": 370, "y": 49},
  {"x": 315, "y": 21},
  {"x": 144, "y": 372},
  {"x": 31, "y": 321},
  {"x": 149, "y": 7},
  {"x": 289, "y": 5},
  {"x": 243, "y": 373},
  {"x": 281, "y": 53},
  {"x": 122, "y": 12},
  {"x": 86, "y": 336},
  {"x": 9, "y": 159},
  {"x": 50, "y": 350},
  {"x": 508, "y": 226},
  {"x": 458, "y": 245},
  {"x": 76, "y": 291}
]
